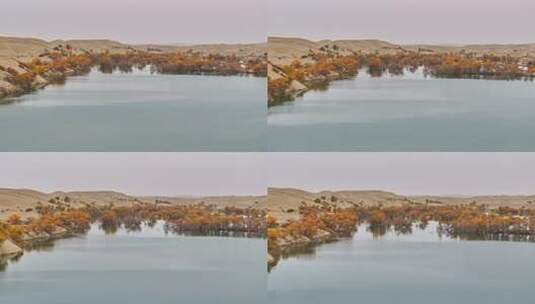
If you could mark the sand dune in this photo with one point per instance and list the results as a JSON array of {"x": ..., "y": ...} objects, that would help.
[
  {"x": 17, "y": 47},
  {"x": 21, "y": 47},
  {"x": 283, "y": 50},
  {"x": 14, "y": 50},
  {"x": 281, "y": 200},
  {"x": 285, "y": 196},
  {"x": 24, "y": 201},
  {"x": 517, "y": 50}
]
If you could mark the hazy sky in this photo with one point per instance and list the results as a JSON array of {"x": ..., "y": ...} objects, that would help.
[
  {"x": 136, "y": 173},
  {"x": 405, "y": 21},
  {"x": 406, "y": 173},
  {"x": 137, "y": 21}
]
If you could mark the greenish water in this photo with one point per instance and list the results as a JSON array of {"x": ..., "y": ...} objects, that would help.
[
  {"x": 417, "y": 268},
  {"x": 408, "y": 113},
  {"x": 139, "y": 111},
  {"x": 142, "y": 267}
]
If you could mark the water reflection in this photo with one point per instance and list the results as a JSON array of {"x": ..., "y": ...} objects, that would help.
[
  {"x": 387, "y": 265},
  {"x": 7, "y": 259},
  {"x": 138, "y": 267},
  {"x": 128, "y": 228},
  {"x": 414, "y": 232},
  {"x": 412, "y": 111},
  {"x": 149, "y": 112}
]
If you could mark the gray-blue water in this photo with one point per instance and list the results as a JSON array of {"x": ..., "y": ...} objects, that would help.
[
  {"x": 139, "y": 268},
  {"x": 408, "y": 113},
  {"x": 139, "y": 111},
  {"x": 418, "y": 268}
]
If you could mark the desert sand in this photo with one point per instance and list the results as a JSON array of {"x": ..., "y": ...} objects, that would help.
[
  {"x": 282, "y": 200},
  {"x": 14, "y": 50},
  {"x": 24, "y": 201},
  {"x": 283, "y": 50}
]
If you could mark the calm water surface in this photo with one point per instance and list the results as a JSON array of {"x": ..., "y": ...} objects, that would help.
[
  {"x": 139, "y": 111},
  {"x": 139, "y": 267},
  {"x": 418, "y": 268},
  {"x": 408, "y": 113}
]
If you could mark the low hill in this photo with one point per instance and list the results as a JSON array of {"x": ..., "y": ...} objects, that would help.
[
  {"x": 516, "y": 50},
  {"x": 283, "y": 203},
  {"x": 24, "y": 201},
  {"x": 14, "y": 50},
  {"x": 282, "y": 50},
  {"x": 95, "y": 45},
  {"x": 24, "y": 48},
  {"x": 20, "y": 47}
]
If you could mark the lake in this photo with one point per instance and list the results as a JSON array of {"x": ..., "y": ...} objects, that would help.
[
  {"x": 142, "y": 267},
  {"x": 139, "y": 111},
  {"x": 417, "y": 268},
  {"x": 408, "y": 113}
]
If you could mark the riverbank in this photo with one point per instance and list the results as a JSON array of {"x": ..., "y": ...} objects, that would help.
[
  {"x": 298, "y": 65},
  {"x": 418, "y": 265},
  {"x": 29, "y": 218},
  {"x": 299, "y": 221},
  {"x": 18, "y": 236},
  {"x": 283, "y": 244},
  {"x": 283, "y": 89},
  {"x": 313, "y": 228},
  {"x": 27, "y": 65}
]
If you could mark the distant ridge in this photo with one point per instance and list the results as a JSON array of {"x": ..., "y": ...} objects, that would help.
[
  {"x": 291, "y": 197},
  {"x": 24, "y": 201},
  {"x": 17, "y": 47},
  {"x": 283, "y": 50}
]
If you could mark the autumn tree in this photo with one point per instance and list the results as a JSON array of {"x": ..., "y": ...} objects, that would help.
[{"x": 14, "y": 219}]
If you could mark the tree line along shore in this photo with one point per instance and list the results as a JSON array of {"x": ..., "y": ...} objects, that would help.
[
  {"x": 312, "y": 67},
  {"x": 54, "y": 66},
  {"x": 326, "y": 221},
  {"x": 297, "y": 227},
  {"x": 317, "y": 67},
  {"x": 58, "y": 219}
]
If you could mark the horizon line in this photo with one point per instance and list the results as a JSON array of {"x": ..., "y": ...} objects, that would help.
[
  {"x": 134, "y": 195},
  {"x": 446, "y": 195},
  {"x": 176, "y": 44},
  {"x": 435, "y": 43}
]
